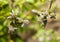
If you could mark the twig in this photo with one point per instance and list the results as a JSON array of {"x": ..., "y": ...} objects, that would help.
[
  {"x": 51, "y": 2},
  {"x": 10, "y": 8}
]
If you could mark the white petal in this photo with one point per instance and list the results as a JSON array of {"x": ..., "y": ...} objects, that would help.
[
  {"x": 13, "y": 11},
  {"x": 22, "y": 25},
  {"x": 9, "y": 17}
]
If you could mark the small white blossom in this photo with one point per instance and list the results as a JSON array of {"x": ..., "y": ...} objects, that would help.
[{"x": 12, "y": 29}]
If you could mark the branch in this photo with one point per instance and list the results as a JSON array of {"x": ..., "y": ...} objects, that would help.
[{"x": 51, "y": 2}]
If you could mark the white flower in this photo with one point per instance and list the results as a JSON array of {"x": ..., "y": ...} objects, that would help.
[{"x": 12, "y": 29}]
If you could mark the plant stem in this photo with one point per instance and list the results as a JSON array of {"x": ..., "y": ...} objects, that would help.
[
  {"x": 51, "y": 2},
  {"x": 11, "y": 4}
]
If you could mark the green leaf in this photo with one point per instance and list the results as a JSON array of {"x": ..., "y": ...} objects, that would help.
[
  {"x": 2, "y": 2},
  {"x": 6, "y": 22},
  {"x": 1, "y": 33},
  {"x": 2, "y": 17},
  {"x": 2, "y": 39},
  {"x": 18, "y": 40}
]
